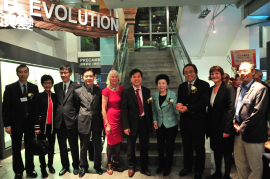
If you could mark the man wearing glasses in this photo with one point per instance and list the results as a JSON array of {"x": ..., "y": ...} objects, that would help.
[
  {"x": 226, "y": 78},
  {"x": 193, "y": 97},
  {"x": 65, "y": 121}
]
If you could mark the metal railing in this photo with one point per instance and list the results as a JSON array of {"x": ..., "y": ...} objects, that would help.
[
  {"x": 179, "y": 51},
  {"x": 122, "y": 54}
]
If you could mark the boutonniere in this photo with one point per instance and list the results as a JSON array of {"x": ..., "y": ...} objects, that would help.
[
  {"x": 193, "y": 89},
  {"x": 170, "y": 101},
  {"x": 149, "y": 100},
  {"x": 30, "y": 95}
]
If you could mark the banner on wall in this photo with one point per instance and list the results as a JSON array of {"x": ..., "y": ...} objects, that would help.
[
  {"x": 49, "y": 15},
  {"x": 89, "y": 62},
  {"x": 239, "y": 56}
]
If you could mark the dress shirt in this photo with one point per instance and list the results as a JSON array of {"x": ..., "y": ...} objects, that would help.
[
  {"x": 192, "y": 83},
  {"x": 243, "y": 91},
  {"x": 21, "y": 85},
  {"x": 67, "y": 85},
  {"x": 140, "y": 94},
  {"x": 89, "y": 89}
]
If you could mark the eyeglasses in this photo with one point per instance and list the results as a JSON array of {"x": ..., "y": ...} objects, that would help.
[
  {"x": 47, "y": 83},
  {"x": 64, "y": 73},
  {"x": 188, "y": 72}
]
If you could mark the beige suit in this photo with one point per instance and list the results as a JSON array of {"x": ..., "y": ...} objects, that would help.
[{"x": 249, "y": 145}]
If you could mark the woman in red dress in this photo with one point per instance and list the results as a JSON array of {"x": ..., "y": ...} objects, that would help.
[{"x": 111, "y": 112}]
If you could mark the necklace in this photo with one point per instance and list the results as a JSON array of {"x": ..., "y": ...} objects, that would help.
[{"x": 113, "y": 88}]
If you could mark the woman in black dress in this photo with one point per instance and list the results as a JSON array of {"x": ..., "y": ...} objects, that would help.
[{"x": 220, "y": 124}]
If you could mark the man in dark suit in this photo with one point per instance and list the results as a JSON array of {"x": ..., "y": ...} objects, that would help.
[
  {"x": 65, "y": 120},
  {"x": 18, "y": 117},
  {"x": 193, "y": 97},
  {"x": 250, "y": 123},
  {"x": 88, "y": 110},
  {"x": 137, "y": 120}
]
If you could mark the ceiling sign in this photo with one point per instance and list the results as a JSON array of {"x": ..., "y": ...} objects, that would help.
[
  {"x": 49, "y": 15},
  {"x": 239, "y": 56}
]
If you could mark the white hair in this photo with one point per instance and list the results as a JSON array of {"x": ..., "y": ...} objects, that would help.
[{"x": 108, "y": 82}]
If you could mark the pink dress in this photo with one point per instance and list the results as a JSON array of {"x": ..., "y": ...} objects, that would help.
[{"x": 114, "y": 115}]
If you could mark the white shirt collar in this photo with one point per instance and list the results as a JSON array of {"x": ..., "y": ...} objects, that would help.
[
  {"x": 67, "y": 84},
  {"x": 192, "y": 83},
  {"x": 137, "y": 88}
]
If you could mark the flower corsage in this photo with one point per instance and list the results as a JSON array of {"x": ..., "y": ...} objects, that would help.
[
  {"x": 193, "y": 89},
  {"x": 170, "y": 101},
  {"x": 30, "y": 95},
  {"x": 149, "y": 100}
]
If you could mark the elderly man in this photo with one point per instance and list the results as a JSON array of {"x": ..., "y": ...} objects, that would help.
[{"x": 250, "y": 124}]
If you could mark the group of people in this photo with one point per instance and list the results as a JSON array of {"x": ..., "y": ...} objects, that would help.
[{"x": 235, "y": 121}]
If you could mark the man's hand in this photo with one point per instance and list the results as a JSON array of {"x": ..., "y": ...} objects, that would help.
[
  {"x": 179, "y": 106},
  {"x": 183, "y": 109},
  {"x": 127, "y": 131},
  {"x": 237, "y": 128},
  {"x": 37, "y": 131},
  {"x": 8, "y": 130},
  {"x": 108, "y": 129},
  {"x": 155, "y": 125},
  {"x": 225, "y": 135}
]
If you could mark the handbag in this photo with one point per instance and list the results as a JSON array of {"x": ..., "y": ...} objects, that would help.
[{"x": 39, "y": 147}]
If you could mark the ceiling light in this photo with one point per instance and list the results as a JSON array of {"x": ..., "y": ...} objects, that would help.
[
  {"x": 214, "y": 31},
  {"x": 159, "y": 22},
  {"x": 204, "y": 13}
]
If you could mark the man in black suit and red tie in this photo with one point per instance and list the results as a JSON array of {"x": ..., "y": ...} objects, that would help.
[
  {"x": 18, "y": 118},
  {"x": 193, "y": 97},
  {"x": 137, "y": 120},
  {"x": 65, "y": 121}
]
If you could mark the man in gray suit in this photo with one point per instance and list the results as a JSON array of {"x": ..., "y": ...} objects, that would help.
[
  {"x": 88, "y": 111},
  {"x": 250, "y": 124},
  {"x": 65, "y": 121}
]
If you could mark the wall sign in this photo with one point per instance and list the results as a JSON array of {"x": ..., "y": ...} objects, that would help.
[
  {"x": 89, "y": 62},
  {"x": 239, "y": 56},
  {"x": 49, "y": 15}
]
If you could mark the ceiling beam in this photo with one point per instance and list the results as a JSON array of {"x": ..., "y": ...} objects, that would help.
[{"x": 242, "y": 3}]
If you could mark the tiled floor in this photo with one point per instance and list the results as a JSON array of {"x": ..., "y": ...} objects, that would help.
[{"x": 6, "y": 171}]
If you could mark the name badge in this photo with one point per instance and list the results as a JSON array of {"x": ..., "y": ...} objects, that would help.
[
  {"x": 23, "y": 99},
  {"x": 246, "y": 101}
]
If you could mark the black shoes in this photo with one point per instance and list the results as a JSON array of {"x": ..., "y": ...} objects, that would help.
[
  {"x": 31, "y": 174},
  {"x": 214, "y": 176},
  {"x": 63, "y": 171},
  {"x": 18, "y": 176},
  {"x": 167, "y": 172},
  {"x": 82, "y": 172},
  {"x": 159, "y": 170},
  {"x": 51, "y": 170},
  {"x": 76, "y": 171},
  {"x": 184, "y": 172},
  {"x": 197, "y": 175},
  {"x": 99, "y": 171}
]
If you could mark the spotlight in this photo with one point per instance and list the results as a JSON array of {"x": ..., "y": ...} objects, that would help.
[
  {"x": 214, "y": 31},
  {"x": 204, "y": 13}
]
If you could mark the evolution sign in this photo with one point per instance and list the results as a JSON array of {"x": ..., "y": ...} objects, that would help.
[{"x": 48, "y": 15}]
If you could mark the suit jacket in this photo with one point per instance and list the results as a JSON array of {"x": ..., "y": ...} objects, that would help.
[
  {"x": 195, "y": 118},
  {"x": 222, "y": 113},
  {"x": 88, "y": 110},
  {"x": 252, "y": 113},
  {"x": 13, "y": 108},
  {"x": 130, "y": 109},
  {"x": 167, "y": 113},
  {"x": 65, "y": 107},
  {"x": 41, "y": 110}
]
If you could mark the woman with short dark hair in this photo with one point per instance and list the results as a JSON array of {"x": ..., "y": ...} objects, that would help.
[
  {"x": 44, "y": 115},
  {"x": 220, "y": 124},
  {"x": 165, "y": 122}
]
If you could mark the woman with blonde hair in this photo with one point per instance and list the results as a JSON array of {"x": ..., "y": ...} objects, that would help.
[{"x": 111, "y": 111}]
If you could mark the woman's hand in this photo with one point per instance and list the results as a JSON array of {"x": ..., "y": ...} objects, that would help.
[
  {"x": 225, "y": 135},
  {"x": 108, "y": 129},
  {"x": 37, "y": 132},
  {"x": 155, "y": 125},
  {"x": 237, "y": 128}
]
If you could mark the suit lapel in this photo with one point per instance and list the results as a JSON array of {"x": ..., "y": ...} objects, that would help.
[
  {"x": 157, "y": 101},
  {"x": 195, "y": 85},
  {"x": 94, "y": 93},
  {"x": 144, "y": 96},
  {"x": 85, "y": 93},
  {"x": 70, "y": 89},
  {"x": 219, "y": 93},
  {"x": 18, "y": 88},
  {"x": 133, "y": 95},
  {"x": 165, "y": 103},
  {"x": 246, "y": 95}
]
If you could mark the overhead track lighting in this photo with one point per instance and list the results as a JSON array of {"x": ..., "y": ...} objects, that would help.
[{"x": 204, "y": 13}]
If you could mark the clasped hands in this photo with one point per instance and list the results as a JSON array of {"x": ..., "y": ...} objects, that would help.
[{"x": 181, "y": 108}]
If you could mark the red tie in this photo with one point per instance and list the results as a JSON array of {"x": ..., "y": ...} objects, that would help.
[{"x": 139, "y": 102}]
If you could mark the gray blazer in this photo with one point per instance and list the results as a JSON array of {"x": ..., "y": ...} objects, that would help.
[
  {"x": 87, "y": 110},
  {"x": 252, "y": 113}
]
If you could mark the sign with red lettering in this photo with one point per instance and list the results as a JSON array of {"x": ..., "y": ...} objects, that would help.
[{"x": 239, "y": 56}]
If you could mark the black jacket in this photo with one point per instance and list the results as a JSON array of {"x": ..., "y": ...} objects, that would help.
[
  {"x": 41, "y": 110},
  {"x": 13, "y": 108}
]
